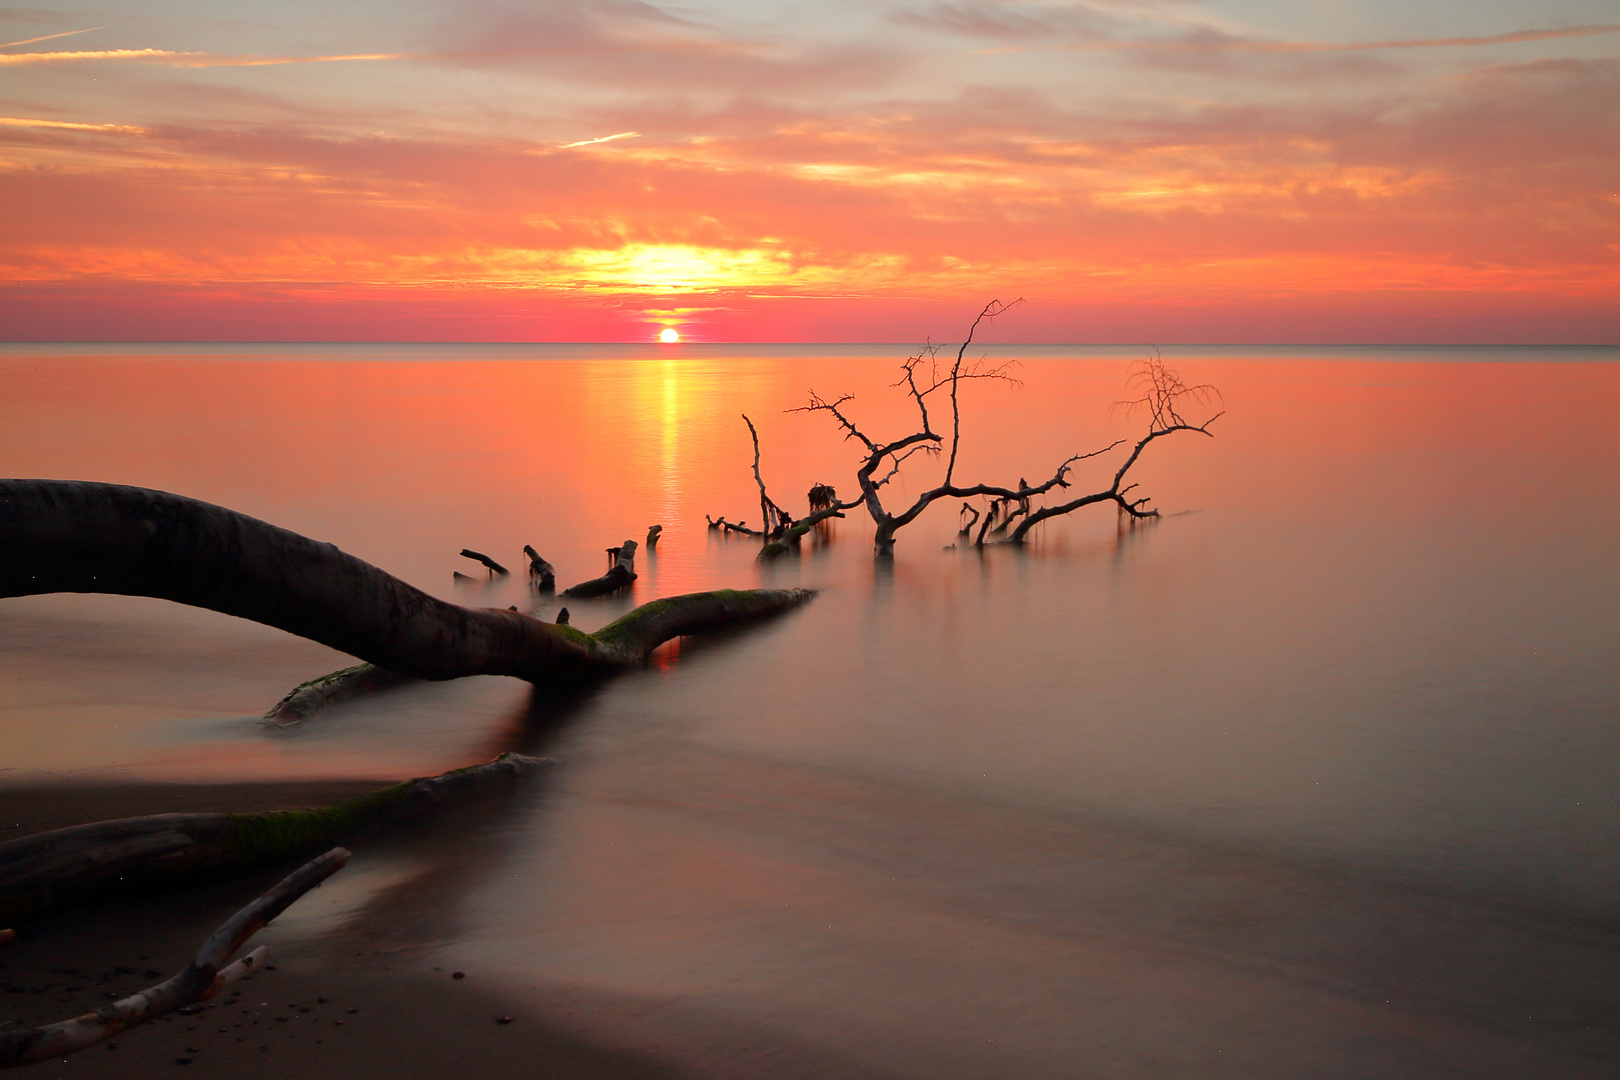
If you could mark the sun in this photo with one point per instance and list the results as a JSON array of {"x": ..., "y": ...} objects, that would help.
[{"x": 669, "y": 336}]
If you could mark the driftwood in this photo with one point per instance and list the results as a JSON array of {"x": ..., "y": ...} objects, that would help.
[
  {"x": 73, "y": 536},
  {"x": 968, "y": 508},
  {"x": 653, "y": 532},
  {"x": 731, "y": 526},
  {"x": 621, "y": 572},
  {"x": 207, "y": 973},
  {"x": 789, "y": 539},
  {"x": 307, "y": 699},
  {"x": 542, "y": 575},
  {"x": 494, "y": 567},
  {"x": 1163, "y": 394},
  {"x": 51, "y": 870}
]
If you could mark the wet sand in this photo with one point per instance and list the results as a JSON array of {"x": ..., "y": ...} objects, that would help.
[
  {"x": 323, "y": 1008},
  {"x": 1130, "y": 955}
]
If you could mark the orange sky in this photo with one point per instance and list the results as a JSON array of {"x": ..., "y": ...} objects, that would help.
[{"x": 1236, "y": 170}]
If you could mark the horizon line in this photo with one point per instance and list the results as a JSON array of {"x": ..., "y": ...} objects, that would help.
[{"x": 883, "y": 344}]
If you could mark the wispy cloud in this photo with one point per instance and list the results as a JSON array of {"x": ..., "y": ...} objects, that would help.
[
  {"x": 51, "y": 37},
  {"x": 603, "y": 139},
  {"x": 1209, "y": 42},
  {"x": 67, "y": 125},
  {"x": 171, "y": 58},
  {"x": 15, "y": 59}
]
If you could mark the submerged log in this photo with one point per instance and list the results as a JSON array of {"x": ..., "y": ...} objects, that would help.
[
  {"x": 54, "y": 869},
  {"x": 731, "y": 526},
  {"x": 789, "y": 540},
  {"x": 74, "y": 536},
  {"x": 200, "y": 980},
  {"x": 478, "y": 556},
  {"x": 621, "y": 572},
  {"x": 307, "y": 699},
  {"x": 542, "y": 575},
  {"x": 653, "y": 532}
]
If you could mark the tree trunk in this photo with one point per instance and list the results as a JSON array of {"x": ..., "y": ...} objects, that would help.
[
  {"x": 50, "y": 870},
  {"x": 74, "y": 536}
]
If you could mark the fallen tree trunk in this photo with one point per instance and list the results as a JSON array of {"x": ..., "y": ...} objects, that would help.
[
  {"x": 200, "y": 980},
  {"x": 55, "y": 869},
  {"x": 74, "y": 536}
]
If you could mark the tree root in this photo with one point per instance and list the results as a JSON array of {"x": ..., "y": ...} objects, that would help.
[
  {"x": 201, "y": 979},
  {"x": 50, "y": 870}
]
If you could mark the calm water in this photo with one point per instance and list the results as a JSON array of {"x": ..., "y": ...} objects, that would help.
[{"x": 1314, "y": 777}]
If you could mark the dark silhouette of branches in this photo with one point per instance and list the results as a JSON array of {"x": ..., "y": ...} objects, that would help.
[
  {"x": 1161, "y": 394},
  {"x": 922, "y": 376},
  {"x": 1164, "y": 394}
]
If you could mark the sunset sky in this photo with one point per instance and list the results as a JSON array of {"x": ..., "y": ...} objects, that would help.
[{"x": 1235, "y": 170}]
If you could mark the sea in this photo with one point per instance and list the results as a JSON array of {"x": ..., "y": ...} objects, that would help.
[{"x": 1315, "y": 775}]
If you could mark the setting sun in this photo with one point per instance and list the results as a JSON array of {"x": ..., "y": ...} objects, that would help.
[{"x": 669, "y": 337}]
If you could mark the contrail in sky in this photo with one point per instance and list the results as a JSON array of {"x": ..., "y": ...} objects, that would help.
[
  {"x": 67, "y": 125},
  {"x": 169, "y": 58},
  {"x": 605, "y": 138},
  {"x": 48, "y": 37}
]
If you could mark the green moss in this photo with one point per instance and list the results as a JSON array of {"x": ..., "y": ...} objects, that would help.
[
  {"x": 569, "y": 633},
  {"x": 261, "y": 836},
  {"x": 321, "y": 680}
]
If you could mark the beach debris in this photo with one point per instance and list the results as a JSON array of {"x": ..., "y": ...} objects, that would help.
[
  {"x": 621, "y": 572},
  {"x": 208, "y": 972},
  {"x": 51, "y": 870},
  {"x": 478, "y": 556},
  {"x": 542, "y": 575},
  {"x": 307, "y": 699}
]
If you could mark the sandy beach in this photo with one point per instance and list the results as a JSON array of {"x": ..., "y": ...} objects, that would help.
[{"x": 1290, "y": 963}]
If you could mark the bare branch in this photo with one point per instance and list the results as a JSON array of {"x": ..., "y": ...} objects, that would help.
[
  {"x": 819, "y": 404},
  {"x": 200, "y": 980}
]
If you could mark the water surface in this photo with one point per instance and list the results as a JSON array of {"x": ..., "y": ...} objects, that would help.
[{"x": 1321, "y": 767}]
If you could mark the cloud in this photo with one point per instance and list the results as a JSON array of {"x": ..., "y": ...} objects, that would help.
[
  {"x": 51, "y": 37},
  {"x": 65, "y": 125},
  {"x": 603, "y": 139},
  {"x": 170, "y": 58},
  {"x": 1207, "y": 41}
]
